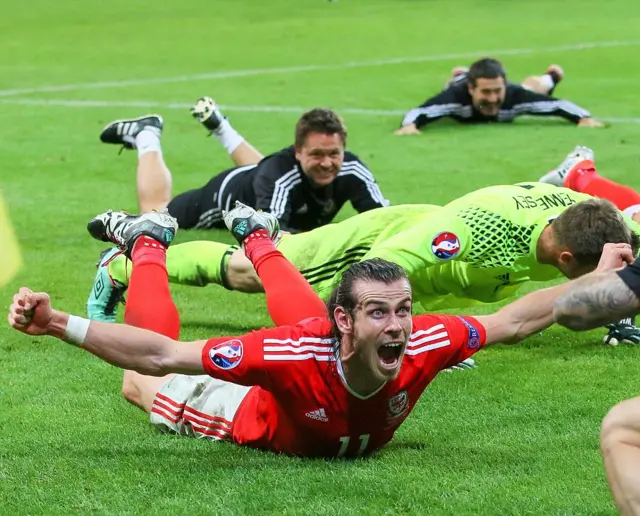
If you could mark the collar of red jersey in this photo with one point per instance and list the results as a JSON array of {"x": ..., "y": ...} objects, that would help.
[{"x": 348, "y": 387}]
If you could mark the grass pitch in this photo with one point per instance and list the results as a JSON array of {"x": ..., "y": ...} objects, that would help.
[{"x": 519, "y": 435}]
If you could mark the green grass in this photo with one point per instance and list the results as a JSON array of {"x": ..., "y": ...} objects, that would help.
[{"x": 519, "y": 435}]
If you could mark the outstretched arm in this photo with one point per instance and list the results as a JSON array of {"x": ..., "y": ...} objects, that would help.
[
  {"x": 596, "y": 300},
  {"x": 537, "y": 104},
  {"x": 121, "y": 345},
  {"x": 535, "y": 312},
  {"x": 445, "y": 103},
  {"x": 522, "y": 318}
]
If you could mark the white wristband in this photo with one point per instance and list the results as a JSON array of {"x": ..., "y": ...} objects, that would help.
[{"x": 76, "y": 331}]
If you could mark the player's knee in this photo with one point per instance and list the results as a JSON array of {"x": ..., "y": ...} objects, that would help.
[
  {"x": 621, "y": 424},
  {"x": 534, "y": 83},
  {"x": 241, "y": 274},
  {"x": 130, "y": 391}
]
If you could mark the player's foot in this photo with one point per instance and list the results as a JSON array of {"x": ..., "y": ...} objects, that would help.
[
  {"x": 576, "y": 157},
  {"x": 469, "y": 363},
  {"x": 207, "y": 112},
  {"x": 123, "y": 229},
  {"x": 124, "y": 132},
  {"x": 243, "y": 220},
  {"x": 557, "y": 74},
  {"x": 107, "y": 292},
  {"x": 556, "y": 71}
]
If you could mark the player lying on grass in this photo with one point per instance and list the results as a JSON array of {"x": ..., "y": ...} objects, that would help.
[
  {"x": 590, "y": 302},
  {"x": 481, "y": 247},
  {"x": 482, "y": 94},
  {"x": 314, "y": 386},
  {"x": 578, "y": 172},
  {"x": 303, "y": 185}
]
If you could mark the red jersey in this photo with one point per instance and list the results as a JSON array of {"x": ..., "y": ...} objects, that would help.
[{"x": 301, "y": 403}]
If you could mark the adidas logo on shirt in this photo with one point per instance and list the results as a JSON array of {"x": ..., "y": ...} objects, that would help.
[{"x": 318, "y": 415}]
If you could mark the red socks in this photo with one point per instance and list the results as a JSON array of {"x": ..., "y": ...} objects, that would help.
[
  {"x": 149, "y": 304},
  {"x": 290, "y": 298},
  {"x": 584, "y": 178}
]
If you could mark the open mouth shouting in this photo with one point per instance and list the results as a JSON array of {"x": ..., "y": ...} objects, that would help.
[{"x": 390, "y": 356}]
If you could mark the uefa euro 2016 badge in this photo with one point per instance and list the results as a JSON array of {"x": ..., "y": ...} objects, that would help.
[
  {"x": 226, "y": 355},
  {"x": 445, "y": 246},
  {"x": 398, "y": 403},
  {"x": 473, "y": 342}
]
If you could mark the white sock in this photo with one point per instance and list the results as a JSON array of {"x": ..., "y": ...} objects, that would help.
[
  {"x": 228, "y": 136},
  {"x": 148, "y": 140},
  {"x": 547, "y": 81}
]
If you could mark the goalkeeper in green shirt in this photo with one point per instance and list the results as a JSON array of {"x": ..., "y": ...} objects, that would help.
[{"x": 481, "y": 247}]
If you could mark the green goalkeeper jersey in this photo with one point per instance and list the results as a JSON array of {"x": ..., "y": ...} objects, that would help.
[
  {"x": 481, "y": 246},
  {"x": 478, "y": 248}
]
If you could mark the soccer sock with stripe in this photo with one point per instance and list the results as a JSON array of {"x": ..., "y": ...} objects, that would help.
[
  {"x": 290, "y": 298},
  {"x": 584, "y": 178},
  {"x": 149, "y": 303}
]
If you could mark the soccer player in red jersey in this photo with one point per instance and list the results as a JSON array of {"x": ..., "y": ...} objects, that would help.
[{"x": 330, "y": 384}]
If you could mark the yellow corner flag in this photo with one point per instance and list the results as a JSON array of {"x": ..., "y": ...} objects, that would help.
[{"x": 9, "y": 251}]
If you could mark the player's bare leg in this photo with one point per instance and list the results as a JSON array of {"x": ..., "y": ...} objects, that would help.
[
  {"x": 153, "y": 182},
  {"x": 241, "y": 151},
  {"x": 241, "y": 275},
  {"x": 546, "y": 83},
  {"x": 141, "y": 390},
  {"x": 620, "y": 442},
  {"x": 144, "y": 239},
  {"x": 153, "y": 178}
]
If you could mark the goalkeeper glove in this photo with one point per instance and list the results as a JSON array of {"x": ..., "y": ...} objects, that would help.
[{"x": 624, "y": 330}]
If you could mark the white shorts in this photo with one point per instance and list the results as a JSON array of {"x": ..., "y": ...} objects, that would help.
[{"x": 197, "y": 406}]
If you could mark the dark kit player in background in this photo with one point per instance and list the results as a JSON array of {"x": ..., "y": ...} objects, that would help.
[{"x": 482, "y": 94}]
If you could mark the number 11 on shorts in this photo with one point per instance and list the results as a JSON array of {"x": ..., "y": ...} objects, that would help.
[{"x": 344, "y": 444}]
